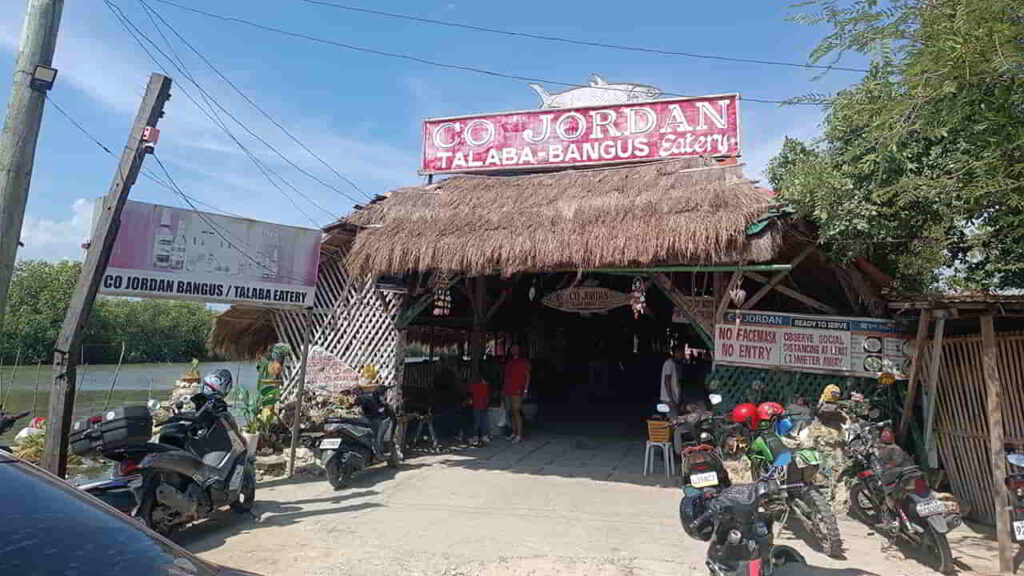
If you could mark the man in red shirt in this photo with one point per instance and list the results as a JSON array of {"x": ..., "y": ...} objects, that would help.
[
  {"x": 480, "y": 396},
  {"x": 515, "y": 385}
]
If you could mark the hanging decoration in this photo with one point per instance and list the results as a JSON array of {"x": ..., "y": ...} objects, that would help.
[
  {"x": 533, "y": 290},
  {"x": 442, "y": 296},
  {"x": 638, "y": 298}
]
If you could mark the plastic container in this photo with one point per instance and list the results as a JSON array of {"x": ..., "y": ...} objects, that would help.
[{"x": 112, "y": 430}]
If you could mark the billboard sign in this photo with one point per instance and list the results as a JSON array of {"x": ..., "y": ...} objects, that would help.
[
  {"x": 846, "y": 346},
  {"x": 165, "y": 252},
  {"x": 585, "y": 299},
  {"x": 583, "y": 135}
]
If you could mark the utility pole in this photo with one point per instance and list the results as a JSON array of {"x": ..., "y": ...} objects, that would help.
[
  {"x": 66, "y": 350},
  {"x": 33, "y": 76}
]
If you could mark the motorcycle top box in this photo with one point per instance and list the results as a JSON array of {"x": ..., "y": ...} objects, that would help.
[{"x": 111, "y": 430}]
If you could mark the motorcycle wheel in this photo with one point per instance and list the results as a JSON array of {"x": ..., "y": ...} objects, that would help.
[
  {"x": 246, "y": 493},
  {"x": 338, "y": 473},
  {"x": 936, "y": 550},
  {"x": 824, "y": 523},
  {"x": 155, "y": 515},
  {"x": 862, "y": 505}
]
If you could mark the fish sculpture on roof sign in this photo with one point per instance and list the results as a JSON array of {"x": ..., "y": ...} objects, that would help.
[{"x": 595, "y": 124}]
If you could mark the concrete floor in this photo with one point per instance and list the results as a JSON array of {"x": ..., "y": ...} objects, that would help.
[{"x": 566, "y": 505}]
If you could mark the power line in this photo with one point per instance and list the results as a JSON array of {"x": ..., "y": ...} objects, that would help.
[
  {"x": 577, "y": 42},
  {"x": 411, "y": 58},
  {"x": 212, "y": 115},
  {"x": 259, "y": 108},
  {"x": 216, "y": 229},
  {"x": 145, "y": 173}
]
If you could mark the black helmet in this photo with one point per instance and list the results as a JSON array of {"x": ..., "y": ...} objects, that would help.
[
  {"x": 692, "y": 507},
  {"x": 217, "y": 383}
]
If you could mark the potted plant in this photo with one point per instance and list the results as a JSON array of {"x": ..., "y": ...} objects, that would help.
[
  {"x": 191, "y": 375},
  {"x": 257, "y": 408}
]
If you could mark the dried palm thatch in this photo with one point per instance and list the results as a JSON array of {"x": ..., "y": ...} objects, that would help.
[
  {"x": 243, "y": 332},
  {"x": 687, "y": 211}
]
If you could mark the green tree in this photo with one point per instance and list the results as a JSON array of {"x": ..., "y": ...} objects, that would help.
[
  {"x": 920, "y": 166},
  {"x": 152, "y": 330}
]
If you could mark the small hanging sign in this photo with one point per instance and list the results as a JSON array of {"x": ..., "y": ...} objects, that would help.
[{"x": 586, "y": 299}]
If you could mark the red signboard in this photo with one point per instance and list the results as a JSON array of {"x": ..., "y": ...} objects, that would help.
[{"x": 590, "y": 135}]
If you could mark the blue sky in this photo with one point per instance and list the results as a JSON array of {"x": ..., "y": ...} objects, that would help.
[{"x": 361, "y": 112}]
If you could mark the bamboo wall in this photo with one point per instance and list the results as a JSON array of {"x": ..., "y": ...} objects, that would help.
[
  {"x": 961, "y": 421},
  {"x": 351, "y": 319}
]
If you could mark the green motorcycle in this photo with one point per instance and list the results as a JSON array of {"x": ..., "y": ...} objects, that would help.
[{"x": 806, "y": 501}]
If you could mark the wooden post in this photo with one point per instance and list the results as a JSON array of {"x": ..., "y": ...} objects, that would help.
[
  {"x": 997, "y": 453},
  {"x": 774, "y": 281},
  {"x": 915, "y": 369},
  {"x": 65, "y": 355},
  {"x": 932, "y": 388},
  {"x": 476, "y": 334},
  {"x": 297, "y": 419}
]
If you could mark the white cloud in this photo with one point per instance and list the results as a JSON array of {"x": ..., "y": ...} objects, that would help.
[{"x": 57, "y": 239}]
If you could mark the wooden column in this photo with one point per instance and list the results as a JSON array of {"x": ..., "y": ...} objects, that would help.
[
  {"x": 297, "y": 420},
  {"x": 932, "y": 388},
  {"x": 476, "y": 334},
  {"x": 915, "y": 371},
  {"x": 997, "y": 453}
]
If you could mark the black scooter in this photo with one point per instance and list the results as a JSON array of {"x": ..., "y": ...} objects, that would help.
[
  {"x": 199, "y": 463},
  {"x": 351, "y": 444}
]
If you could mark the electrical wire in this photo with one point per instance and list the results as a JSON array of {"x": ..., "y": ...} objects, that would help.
[
  {"x": 144, "y": 172},
  {"x": 216, "y": 229},
  {"x": 562, "y": 40},
  {"x": 260, "y": 109},
  {"x": 212, "y": 115},
  {"x": 464, "y": 68}
]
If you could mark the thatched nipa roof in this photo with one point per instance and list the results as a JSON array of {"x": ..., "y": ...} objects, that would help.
[
  {"x": 686, "y": 211},
  {"x": 243, "y": 332}
]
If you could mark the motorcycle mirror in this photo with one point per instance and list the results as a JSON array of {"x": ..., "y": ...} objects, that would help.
[
  {"x": 1015, "y": 459},
  {"x": 663, "y": 409},
  {"x": 715, "y": 399},
  {"x": 783, "y": 460},
  {"x": 153, "y": 404}
]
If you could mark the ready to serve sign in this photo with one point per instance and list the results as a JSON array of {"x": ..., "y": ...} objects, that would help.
[
  {"x": 854, "y": 346},
  {"x": 583, "y": 136}
]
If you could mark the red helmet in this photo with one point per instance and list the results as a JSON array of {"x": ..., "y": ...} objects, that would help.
[
  {"x": 745, "y": 414},
  {"x": 767, "y": 411}
]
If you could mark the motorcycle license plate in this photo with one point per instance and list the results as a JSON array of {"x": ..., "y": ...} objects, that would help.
[
  {"x": 330, "y": 443},
  {"x": 925, "y": 509},
  {"x": 704, "y": 479},
  {"x": 1018, "y": 530}
]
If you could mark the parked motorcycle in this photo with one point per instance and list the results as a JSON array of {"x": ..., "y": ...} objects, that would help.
[
  {"x": 198, "y": 464},
  {"x": 738, "y": 523},
  {"x": 704, "y": 473},
  {"x": 1015, "y": 487},
  {"x": 351, "y": 444},
  {"x": 892, "y": 495},
  {"x": 781, "y": 436}
]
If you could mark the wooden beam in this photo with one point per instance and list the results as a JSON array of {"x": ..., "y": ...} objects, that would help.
[
  {"x": 915, "y": 369},
  {"x": 723, "y": 268},
  {"x": 997, "y": 451},
  {"x": 476, "y": 334},
  {"x": 793, "y": 293},
  {"x": 723, "y": 301},
  {"x": 101, "y": 246},
  {"x": 932, "y": 388},
  {"x": 664, "y": 283},
  {"x": 497, "y": 304},
  {"x": 753, "y": 300}
]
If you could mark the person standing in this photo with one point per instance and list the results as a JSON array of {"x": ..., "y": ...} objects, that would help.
[
  {"x": 670, "y": 392},
  {"x": 514, "y": 387},
  {"x": 480, "y": 397}
]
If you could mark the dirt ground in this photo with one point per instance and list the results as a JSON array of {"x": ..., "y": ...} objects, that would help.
[{"x": 553, "y": 505}]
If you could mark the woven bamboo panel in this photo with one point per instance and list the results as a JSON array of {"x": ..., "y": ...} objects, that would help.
[
  {"x": 351, "y": 319},
  {"x": 961, "y": 421}
]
